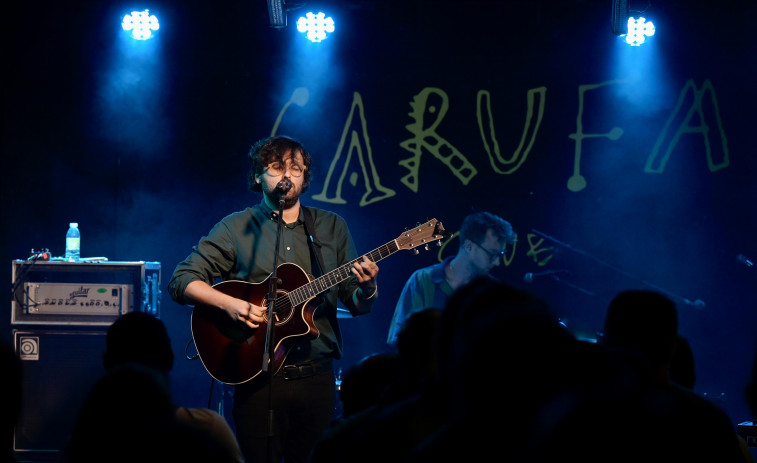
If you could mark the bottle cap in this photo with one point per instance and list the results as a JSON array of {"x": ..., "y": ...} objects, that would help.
[{"x": 73, "y": 224}]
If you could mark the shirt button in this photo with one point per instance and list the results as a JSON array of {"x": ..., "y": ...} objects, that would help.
[{"x": 288, "y": 248}]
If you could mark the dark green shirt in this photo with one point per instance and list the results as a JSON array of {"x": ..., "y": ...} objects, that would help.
[{"x": 241, "y": 247}]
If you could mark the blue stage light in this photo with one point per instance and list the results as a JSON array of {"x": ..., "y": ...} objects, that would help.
[
  {"x": 638, "y": 31},
  {"x": 141, "y": 24},
  {"x": 316, "y": 27}
]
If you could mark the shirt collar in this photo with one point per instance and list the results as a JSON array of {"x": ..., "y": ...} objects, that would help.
[
  {"x": 270, "y": 214},
  {"x": 437, "y": 273}
]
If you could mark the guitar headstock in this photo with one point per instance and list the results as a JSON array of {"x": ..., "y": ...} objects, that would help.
[{"x": 422, "y": 235}]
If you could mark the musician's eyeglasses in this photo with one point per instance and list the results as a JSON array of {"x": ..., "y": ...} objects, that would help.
[
  {"x": 276, "y": 169},
  {"x": 493, "y": 255}
]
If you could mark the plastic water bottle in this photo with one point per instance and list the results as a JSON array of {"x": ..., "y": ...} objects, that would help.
[{"x": 73, "y": 242}]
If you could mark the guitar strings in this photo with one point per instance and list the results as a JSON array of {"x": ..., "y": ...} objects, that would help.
[{"x": 333, "y": 277}]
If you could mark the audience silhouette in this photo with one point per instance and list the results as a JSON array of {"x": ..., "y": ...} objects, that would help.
[
  {"x": 361, "y": 393},
  {"x": 127, "y": 416},
  {"x": 397, "y": 381},
  {"x": 130, "y": 412},
  {"x": 493, "y": 373},
  {"x": 682, "y": 366},
  {"x": 365, "y": 383},
  {"x": 634, "y": 411},
  {"x": 416, "y": 350},
  {"x": 484, "y": 365},
  {"x": 502, "y": 355},
  {"x": 140, "y": 337}
]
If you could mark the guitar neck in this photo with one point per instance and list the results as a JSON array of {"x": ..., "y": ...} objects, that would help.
[{"x": 338, "y": 275}]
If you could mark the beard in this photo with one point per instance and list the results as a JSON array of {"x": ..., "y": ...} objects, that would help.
[{"x": 290, "y": 198}]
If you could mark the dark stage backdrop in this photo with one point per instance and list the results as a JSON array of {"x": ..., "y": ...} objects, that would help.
[{"x": 622, "y": 167}]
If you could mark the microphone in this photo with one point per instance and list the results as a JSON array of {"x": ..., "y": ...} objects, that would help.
[
  {"x": 529, "y": 277},
  {"x": 742, "y": 259},
  {"x": 283, "y": 186}
]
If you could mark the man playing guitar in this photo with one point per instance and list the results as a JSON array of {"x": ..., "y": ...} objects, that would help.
[{"x": 240, "y": 248}]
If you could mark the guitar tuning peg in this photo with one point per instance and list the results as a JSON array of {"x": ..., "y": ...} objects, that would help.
[
  {"x": 426, "y": 247},
  {"x": 415, "y": 251},
  {"x": 438, "y": 243}
]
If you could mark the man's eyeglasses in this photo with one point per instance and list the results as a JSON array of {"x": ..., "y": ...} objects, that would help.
[
  {"x": 275, "y": 169},
  {"x": 493, "y": 255}
]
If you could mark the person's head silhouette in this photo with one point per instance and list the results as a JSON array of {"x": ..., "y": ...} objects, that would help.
[{"x": 138, "y": 337}]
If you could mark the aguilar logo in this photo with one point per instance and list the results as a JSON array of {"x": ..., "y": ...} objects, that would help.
[{"x": 81, "y": 292}]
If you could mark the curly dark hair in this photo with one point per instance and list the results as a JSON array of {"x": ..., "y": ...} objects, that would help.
[
  {"x": 271, "y": 149},
  {"x": 475, "y": 225}
]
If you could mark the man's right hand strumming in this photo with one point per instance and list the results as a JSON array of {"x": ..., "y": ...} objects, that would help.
[{"x": 199, "y": 292}]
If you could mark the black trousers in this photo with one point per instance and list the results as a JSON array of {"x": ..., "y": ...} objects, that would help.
[{"x": 303, "y": 408}]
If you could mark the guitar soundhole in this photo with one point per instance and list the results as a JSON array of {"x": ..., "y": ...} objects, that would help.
[{"x": 282, "y": 310}]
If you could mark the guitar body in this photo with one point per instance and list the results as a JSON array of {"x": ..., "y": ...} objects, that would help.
[{"x": 233, "y": 353}]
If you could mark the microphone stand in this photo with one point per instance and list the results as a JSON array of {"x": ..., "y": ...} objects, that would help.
[
  {"x": 698, "y": 303},
  {"x": 268, "y": 354}
]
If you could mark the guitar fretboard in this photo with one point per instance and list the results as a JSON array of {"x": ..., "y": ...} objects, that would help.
[{"x": 338, "y": 275}]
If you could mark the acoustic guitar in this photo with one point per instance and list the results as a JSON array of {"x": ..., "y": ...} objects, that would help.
[{"x": 233, "y": 353}]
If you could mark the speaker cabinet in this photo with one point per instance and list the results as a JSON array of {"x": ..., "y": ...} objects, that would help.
[{"x": 60, "y": 368}]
